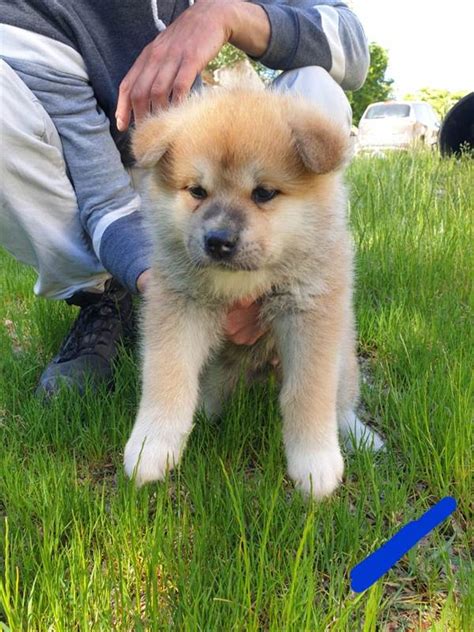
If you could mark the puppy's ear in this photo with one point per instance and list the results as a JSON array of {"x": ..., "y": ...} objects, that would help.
[
  {"x": 322, "y": 145},
  {"x": 151, "y": 139}
]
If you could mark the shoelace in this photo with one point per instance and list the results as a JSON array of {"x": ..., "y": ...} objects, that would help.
[{"x": 93, "y": 322}]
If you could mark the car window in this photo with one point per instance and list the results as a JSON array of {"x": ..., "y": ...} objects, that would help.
[
  {"x": 425, "y": 113},
  {"x": 431, "y": 114},
  {"x": 386, "y": 110},
  {"x": 420, "y": 113}
]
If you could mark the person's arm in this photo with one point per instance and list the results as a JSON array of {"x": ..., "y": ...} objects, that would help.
[
  {"x": 109, "y": 208},
  {"x": 280, "y": 34},
  {"x": 322, "y": 33},
  {"x": 167, "y": 67}
]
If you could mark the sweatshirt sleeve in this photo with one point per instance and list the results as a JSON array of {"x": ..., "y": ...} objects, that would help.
[
  {"x": 108, "y": 206},
  {"x": 316, "y": 33}
]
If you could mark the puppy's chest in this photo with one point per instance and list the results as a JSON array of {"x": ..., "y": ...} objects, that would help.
[{"x": 286, "y": 299}]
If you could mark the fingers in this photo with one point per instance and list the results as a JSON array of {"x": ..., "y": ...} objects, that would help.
[
  {"x": 143, "y": 281},
  {"x": 243, "y": 325},
  {"x": 153, "y": 87},
  {"x": 124, "y": 104},
  {"x": 147, "y": 89},
  {"x": 167, "y": 67},
  {"x": 146, "y": 85},
  {"x": 183, "y": 81},
  {"x": 247, "y": 336},
  {"x": 240, "y": 317},
  {"x": 173, "y": 83}
]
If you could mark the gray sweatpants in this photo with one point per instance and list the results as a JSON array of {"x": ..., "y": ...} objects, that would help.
[{"x": 39, "y": 216}]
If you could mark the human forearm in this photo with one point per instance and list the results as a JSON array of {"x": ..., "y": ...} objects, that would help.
[
  {"x": 323, "y": 33},
  {"x": 249, "y": 27},
  {"x": 108, "y": 207},
  {"x": 285, "y": 35}
]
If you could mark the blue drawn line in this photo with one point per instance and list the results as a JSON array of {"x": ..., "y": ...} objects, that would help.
[{"x": 380, "y": 561}]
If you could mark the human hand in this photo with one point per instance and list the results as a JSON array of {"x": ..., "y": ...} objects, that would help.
[
  {"x": 166, "y": 69},
  {"x": 143, "y": 281},
  {"x": 242, "y": 326}
]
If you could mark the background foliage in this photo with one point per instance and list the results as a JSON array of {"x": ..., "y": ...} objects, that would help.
[
  {"x": 376, "y": 87},
  {"x": 230, "y": 55},
  {"x": 441, "y": 100}
]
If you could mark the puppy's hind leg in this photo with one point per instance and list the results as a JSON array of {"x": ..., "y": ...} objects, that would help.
[
  {"x": 217, "y": 384},
  {"x": 355, "y": 433}
]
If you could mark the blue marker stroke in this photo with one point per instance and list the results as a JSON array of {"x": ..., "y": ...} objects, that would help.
[{"x": 380, "y": 561}]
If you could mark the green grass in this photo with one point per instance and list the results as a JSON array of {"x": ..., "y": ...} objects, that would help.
[{"x": 226, "y": 544}]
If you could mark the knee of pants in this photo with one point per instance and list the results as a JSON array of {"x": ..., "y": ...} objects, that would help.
[
  {"x": 317, "y": 86},
  {"x": 22, "y": 115}
]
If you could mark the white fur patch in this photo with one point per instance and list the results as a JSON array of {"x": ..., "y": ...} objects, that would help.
[
  {"x": 153, "y": 448},
  {"x": 239, "y": 284},
  {"x": 316, "y": 471},
  {"x": 357, "y": 435}
]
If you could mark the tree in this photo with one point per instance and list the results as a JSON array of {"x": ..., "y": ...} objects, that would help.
[
  {"x": 229, "y": 55},
  {"x": 376, "y": 86},
  {"x": 226, "y": 56},
  {"x": 441, "y": 100}
]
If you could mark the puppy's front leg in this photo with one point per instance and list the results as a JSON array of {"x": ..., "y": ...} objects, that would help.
[
  {"x": 177, "y": 338},
  {"x": 309, "y": 346}
]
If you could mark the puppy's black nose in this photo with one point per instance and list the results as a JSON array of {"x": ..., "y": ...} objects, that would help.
[{"x": 220, "y": 244}]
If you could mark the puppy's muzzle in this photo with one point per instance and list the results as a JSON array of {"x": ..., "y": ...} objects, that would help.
[{"x": 221, "y": 244}]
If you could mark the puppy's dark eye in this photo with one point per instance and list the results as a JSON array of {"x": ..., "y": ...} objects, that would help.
[
  {"x": 260, "y": 195},
  {"x": 198, "y": 192}
]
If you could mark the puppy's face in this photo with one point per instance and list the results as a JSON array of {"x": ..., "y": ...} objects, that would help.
[{"x": 241, "y": 178}]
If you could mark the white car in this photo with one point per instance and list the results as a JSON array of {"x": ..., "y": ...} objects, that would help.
[{"x": 397, "y": 125}]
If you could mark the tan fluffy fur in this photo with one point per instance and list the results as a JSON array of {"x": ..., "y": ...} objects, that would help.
[{"x": 295, "y": 256}]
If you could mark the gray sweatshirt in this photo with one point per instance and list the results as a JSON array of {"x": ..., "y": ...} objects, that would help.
[{"x": 109, "y": 35}]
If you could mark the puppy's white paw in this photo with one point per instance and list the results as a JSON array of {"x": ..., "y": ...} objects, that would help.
[
  {"x": 149, "y": 455},
  {"x": 315, "y": 470},
  {"x": 356, "y": 434}
]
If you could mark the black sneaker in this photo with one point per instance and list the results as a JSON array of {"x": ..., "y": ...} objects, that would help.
[{"x": 88, "y": 351}]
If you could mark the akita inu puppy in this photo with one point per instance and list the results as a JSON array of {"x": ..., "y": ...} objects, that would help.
[{"x": 246, "y": 200}]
